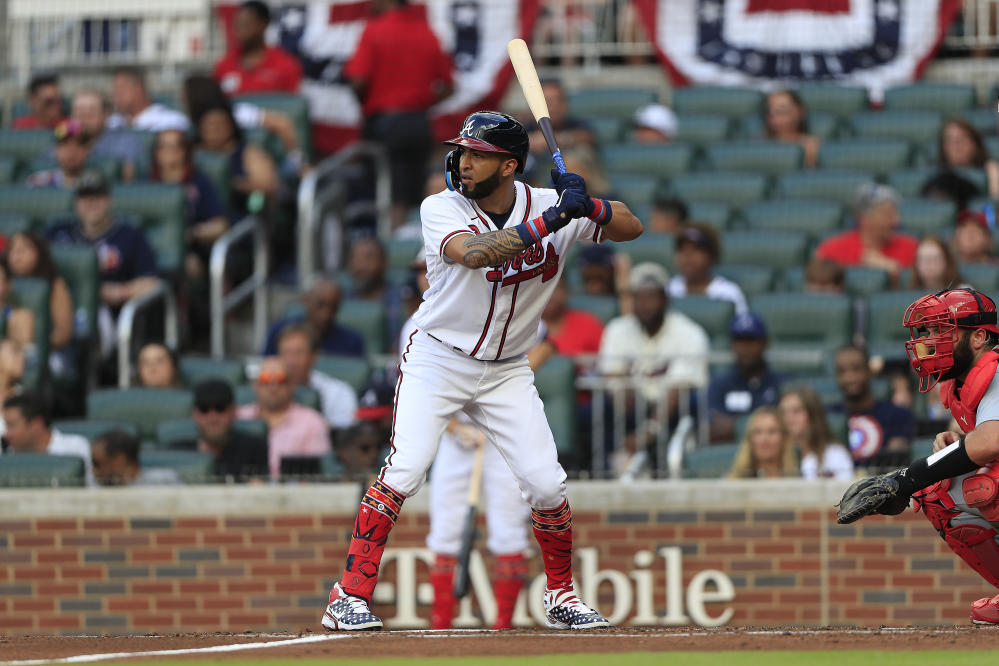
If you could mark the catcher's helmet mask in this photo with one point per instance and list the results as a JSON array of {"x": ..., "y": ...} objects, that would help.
[
  {"x": 489, "y": 132},
  {"x": 932, "y": 322}
]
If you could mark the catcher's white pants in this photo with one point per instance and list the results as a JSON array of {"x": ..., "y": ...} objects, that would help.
[
  {"x": 506, "y": 513},
  {"x": 435, "y": 383}
]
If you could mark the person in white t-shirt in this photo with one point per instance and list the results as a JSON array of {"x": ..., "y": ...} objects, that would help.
[
  {"x": 134, "y": 110},
  {"x": 805, "y": 417},
  {"x": 697, "y": 252},
  {"x": 29, "y": 430},
  {"x": 298, "y": 347}
]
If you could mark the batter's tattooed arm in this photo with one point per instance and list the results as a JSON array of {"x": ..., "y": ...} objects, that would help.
[{"x": 488, "y": 249}]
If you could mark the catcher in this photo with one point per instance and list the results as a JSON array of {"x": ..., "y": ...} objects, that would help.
[{"x": 953, "y": 338}]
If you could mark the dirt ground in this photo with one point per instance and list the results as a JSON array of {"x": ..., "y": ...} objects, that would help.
[{"x": 513, "y": 643}]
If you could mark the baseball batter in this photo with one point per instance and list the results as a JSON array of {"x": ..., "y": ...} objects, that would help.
[
  {"x": 495, "y": 250},
  {"x": 954, "y": 335}
]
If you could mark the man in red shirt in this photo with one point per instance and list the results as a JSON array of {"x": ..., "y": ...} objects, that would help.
[
  {"x": 45, "y": 102},
  {"x": 254, "y": 67},
  {"x": 572, "y": 332},
  {"x": 398, "y": 72},
  {"x": 875, "y": 242}
]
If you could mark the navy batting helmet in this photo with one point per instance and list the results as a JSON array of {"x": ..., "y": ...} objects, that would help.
[{"x": 491, "y": 132}]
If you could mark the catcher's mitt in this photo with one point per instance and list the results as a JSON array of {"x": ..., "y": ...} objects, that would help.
[{"x": 876, "y": 494}]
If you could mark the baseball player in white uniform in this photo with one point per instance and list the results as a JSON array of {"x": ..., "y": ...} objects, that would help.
[{"x": 495, "y": 251}]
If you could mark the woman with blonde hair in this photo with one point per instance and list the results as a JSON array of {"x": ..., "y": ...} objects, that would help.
[
  {"x": 766, "y": 451},
  {"x": 805, "y": 418}
]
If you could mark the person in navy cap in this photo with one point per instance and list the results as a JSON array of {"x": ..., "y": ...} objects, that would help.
[{"x": 748, "y": 384}]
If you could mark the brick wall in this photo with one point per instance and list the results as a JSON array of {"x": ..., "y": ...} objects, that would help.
[{"x": 233, "y": 573}]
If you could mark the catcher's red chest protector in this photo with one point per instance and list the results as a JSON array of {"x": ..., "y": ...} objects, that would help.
[{"x": 963, "y": 403}]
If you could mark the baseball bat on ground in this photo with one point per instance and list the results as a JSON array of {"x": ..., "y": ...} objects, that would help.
[
  {"x": 468, "y": 535},
  {"x": 520, "y": 58}
]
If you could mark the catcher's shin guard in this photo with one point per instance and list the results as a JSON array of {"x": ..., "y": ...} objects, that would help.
[
  {"x": 442, "y": 581},
  {"x": 975, "y": 544}
]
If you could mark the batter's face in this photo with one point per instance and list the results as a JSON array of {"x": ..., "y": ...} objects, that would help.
[{"x": 482, "y": 172}]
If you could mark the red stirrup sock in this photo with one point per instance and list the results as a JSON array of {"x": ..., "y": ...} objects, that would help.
[
  {"x": 553, "y": 530},
  {"x": 509, "y": 574},
  {"x": 442, "y": 580},
  {"x": 375, "y": 519}
]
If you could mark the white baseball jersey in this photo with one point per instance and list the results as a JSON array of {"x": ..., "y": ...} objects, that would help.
[{"x": 491, "y": 313}]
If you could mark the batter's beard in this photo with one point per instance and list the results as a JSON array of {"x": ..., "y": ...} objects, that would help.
[
  {"x": 483, "y": 188},
  {"x": 964, "y": 358}
]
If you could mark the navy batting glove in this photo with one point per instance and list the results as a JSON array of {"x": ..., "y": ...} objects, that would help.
[
  {"x": 565, "y": 181},
  {"x": 571, "y": 204}
]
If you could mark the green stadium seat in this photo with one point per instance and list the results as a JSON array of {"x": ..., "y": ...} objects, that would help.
[
  {"x": 609, "y": 129},
  {"x": 195, "y": 369},
  {"x": 556, "y": 384},
  {"x": 215, "y": 166},
  {"x": 736, "y": 188},
  {"x": 617, "y": 102},
  {"x": 842, "y": 101},
  {"x": 145, "y": 407},
  {"x": 992, "y": 145},
  {"x": 983, "y": 277},
  {"x": 11, "y": 223},
  {"x": 635, "y": 189},
  {"x": 657, "y": 248},
  {"x": 266, "y": 141},
  {"x": 77, "y": 264},
  {"x": 657, "y": 159},
  {"x": 885, "y": 333},
  {"x": 769, "y": 157},
  {"x": 719, "y": 100},
  {"x": 34, "y": 294},
  {"x": 881, "y": 157},
  {"x": 603, "y": 307},
  {"x": 354, "y": 371},
  {"x": 709, "y": 462},
  {"x": 927, "y": 216},
  {"x": 864, "y": 281},
  {"x": 190, "y": 466},
  {"x": 922, "y": 448},
  {"x": 92, "y": 428},
  {"x": 173, "y": 433},
  {"x": 367, "y": 318},
  {"x": 294, "y": 106},
  {"x": 40, "y": 470},
  {"x": 163, "y": 210},
  {"x": 805, "y": 320},
  {"x": 814, "y": 217},
  {"x": 984, "y": 120},
  {"x": 718, "y": 215},
  {"x": 823, "y": 126},
  {"x": 39, "y": 204},
  {"x": 8, "y": 169},
  {"x": 909, "y": 182},
  {"x": 915, "y": 126},
  {"x": 303, "y": 395},
  {"x": 702, "y": 129},
  {"x": 822, "y": 184},
  {"x": 711, "y": 314},
  {"x": 778, "y": 249},
  {"x": 25, "y": 145},
  {"x": 752, "y": 280},
  {"x": 941, "y": 97}
]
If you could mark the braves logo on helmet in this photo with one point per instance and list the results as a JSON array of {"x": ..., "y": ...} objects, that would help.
[{"x": 489, "y": 132}]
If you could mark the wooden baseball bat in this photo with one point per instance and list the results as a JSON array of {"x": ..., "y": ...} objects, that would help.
[
  {"x": 523, "y": 64},
  {"x": 461, "y": 575}
]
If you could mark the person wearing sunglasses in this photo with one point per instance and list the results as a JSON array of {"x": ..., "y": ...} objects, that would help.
[
  {"x": 238, "y": 456},
  {"x": 45, "y": 102},
  {"x": 293, "y": 429}
]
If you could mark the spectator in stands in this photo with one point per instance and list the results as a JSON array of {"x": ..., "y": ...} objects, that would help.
[
  {"x": 787, "y": 120},
  {"x": 157, "y": 367},
  {"x": 252, "y": 66},
  {"x": 376, "y": 404},
  {"x": 880, "y": 432},
  {"x": 935, "y": 267},
  {"x": 116, "y": 463},
  {"x": 45, "y": 102},
  {"x": 766, "y": 450},
  {"x": 28, "y": 429},
  {"x": 824, "y": 276},
  {"x": 972, "y": 240},
  {"x": 875, "y": 242},
  {"x": 697, "y": 251},
  {"x": 12, "y": 363},
  {"x": 367, "y": 265},
  {"x": 396, "y": 93},
  {"x": 668, "y": 216},
  {"x": 29, "y": 255},
  {"x": 92, "y": 109},
  {"x": 948, "y": 185},
  {"x": 821, "y": 455},
  {"x": 654, "y": 123},
  {"x": 299, "y": 350},
  {"x": 125, "y": 259},
  {"x": 358, "y": 451},
  {"x": 748, "y": 384},
  {"x": 16, "y": 323},
  {"x": 238, "y": 456},
  {"x": 321, "y": 304},
  {"x": 253, "y": 176},
  {"x": 596, "y": 265},
  {"x": 960, "y": 145},
  {"x": 71, "y": 152},
  {"x": 133, "y": 108},
  {"x": 293, "y": 429},
  {"x": 570, "y": 130},
  {"x": 570, "y": 331}
]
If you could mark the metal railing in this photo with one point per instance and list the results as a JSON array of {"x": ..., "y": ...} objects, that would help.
[
  {"x": 323, "y": 190},
  {"x": 126, "y": 323},
  {"x": 977, "y": 26},
  {"x": 256, "y": 285}
]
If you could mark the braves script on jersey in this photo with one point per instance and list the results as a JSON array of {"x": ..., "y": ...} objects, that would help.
[{"x": 491, "y": 313}]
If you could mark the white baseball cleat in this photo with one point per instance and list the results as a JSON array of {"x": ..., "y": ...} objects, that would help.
[
  {"x": 348, "y": 613},
  {"x": 564, "y": 610}
]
